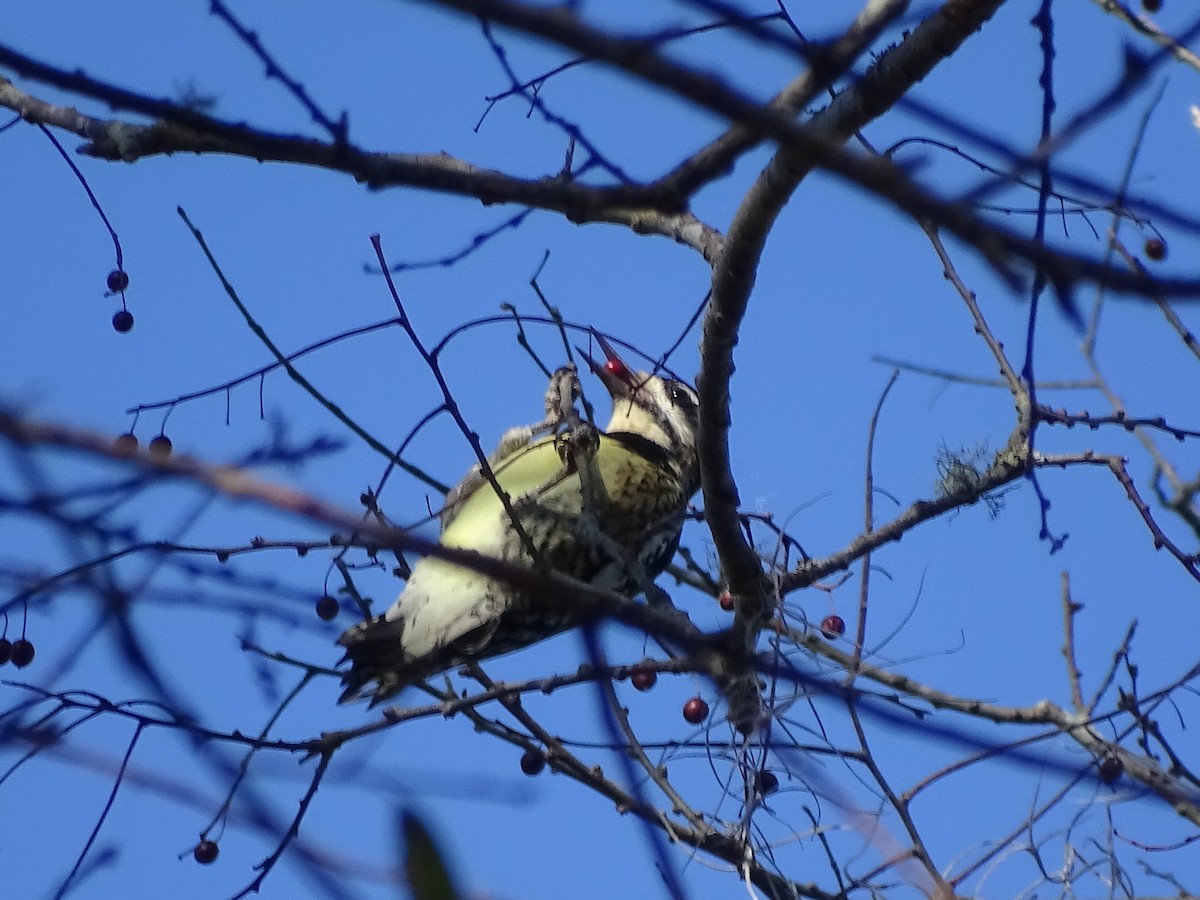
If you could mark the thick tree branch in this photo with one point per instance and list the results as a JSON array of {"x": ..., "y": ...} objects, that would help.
[
  {"x": 1003, "y": 248},
  {"x": 640, "y": 208},
  {"x": 180, "y": 129},
  {"x": 733, "y": 281},
  {"x": 826, "y": 64}
]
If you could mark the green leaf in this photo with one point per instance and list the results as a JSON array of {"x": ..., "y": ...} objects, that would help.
[{"x": 428, "y": 874}]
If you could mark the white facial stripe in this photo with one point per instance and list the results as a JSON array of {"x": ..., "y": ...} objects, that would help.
[{"x": 652, "y": 412}]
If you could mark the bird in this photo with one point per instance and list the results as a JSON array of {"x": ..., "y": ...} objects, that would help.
[{"x": 605, "y": 507}]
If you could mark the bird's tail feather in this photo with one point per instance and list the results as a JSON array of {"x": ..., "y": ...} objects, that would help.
[{"x": 375, "y": 651}]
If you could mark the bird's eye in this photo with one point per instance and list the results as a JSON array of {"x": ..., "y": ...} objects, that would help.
[{"x": 681, "y": 396}]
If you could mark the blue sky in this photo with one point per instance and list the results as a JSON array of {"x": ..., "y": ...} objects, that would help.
[{"x": 969, "y": 603}]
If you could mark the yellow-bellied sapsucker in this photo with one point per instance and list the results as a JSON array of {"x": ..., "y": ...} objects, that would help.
[{"x": 603, "y": 507}]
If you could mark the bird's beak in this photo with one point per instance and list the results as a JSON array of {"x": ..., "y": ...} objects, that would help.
[{"x": 620, "y": 380}]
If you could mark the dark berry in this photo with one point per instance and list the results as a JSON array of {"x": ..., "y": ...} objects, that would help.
[
  {"x": 643, "y": 679},
  {"x": 1111, "y": 768},
  {"x": 768, "y": 782},
  {"x": 833, "y": 626},
  {"x": 5, "y": 650},
  {"x": 695, "y": 710},
  {"x": 1152, "y": 6},
  {"x": 117, "y": 281},
  {"x": 726, "y": 601},
  {"x": 160, "y": 447},
  {"x": 206, "y": 852},
  {"x": 126, "y": 444},
  {"x": 22, "y": 653},
  {"x": 532, "y": 762},
  {"x": 123, "y": 320},
  {"x": 1156, "y": 249},
  {"x": 327, "y": 608}
]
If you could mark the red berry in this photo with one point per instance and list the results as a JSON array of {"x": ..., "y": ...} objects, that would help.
[
  {"x": 768, "y": 782},
  {"x": 160, "y": 447},
  {"x": 117, "y": 281},
  {"x": 22, "y": 653},
  {"x": 126, "y": 444},
  {"x": 533, "y": 761},
  {"x": 1156, "y": 248},
  {"x": 695, "y": 710},
  {"x": 726, "y": 601},
  {"x": 643, "y": 679},
  {"x": 123, "y": 321},
  {"x": 1111, "y": 768},
  {"x": 206, "y": 852},
  {"x": 5, "y": 650},
  {"x": 327, "y": 608},
  {"x": 833, "y": 626}
]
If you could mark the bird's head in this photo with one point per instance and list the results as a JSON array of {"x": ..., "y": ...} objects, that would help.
[{"x": 661, "y": 410}]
